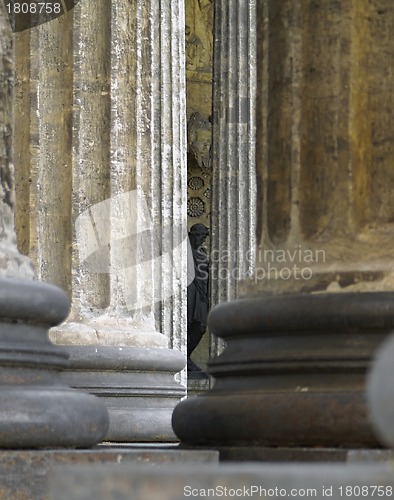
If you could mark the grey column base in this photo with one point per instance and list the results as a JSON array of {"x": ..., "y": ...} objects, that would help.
[
  {"x": 37, "y": 410},
  {"x": 136, "y": 384},
  {"x": 293, "y": 373}
]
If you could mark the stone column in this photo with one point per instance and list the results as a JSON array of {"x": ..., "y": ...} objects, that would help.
[
  {"x": 109, "y": 196},
  {"x": 233, "y": 150},
  {"x": 323, "y": 148},
  {"x": 36, "y": 408},
  {"x": 293, "y": 372}
]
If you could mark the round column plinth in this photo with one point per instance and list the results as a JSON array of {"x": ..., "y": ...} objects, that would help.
[
  {"x": 37, "y": 410},
  {"x": 293, "y": 372},
  {"x": 136, "y": 384},
  {"x": 380, "y": 392}
]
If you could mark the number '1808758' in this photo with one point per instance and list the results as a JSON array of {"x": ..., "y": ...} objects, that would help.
[{"x": 34, "y": 8}]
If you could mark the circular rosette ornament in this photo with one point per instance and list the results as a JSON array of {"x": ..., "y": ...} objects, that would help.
[
  {"x": 195, "y": 183},
  {"x": 195, "y": 207}
]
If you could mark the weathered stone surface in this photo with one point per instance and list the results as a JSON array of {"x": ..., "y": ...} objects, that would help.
[
  {"x": 176, "y": 483},
  {"x": 230, "y": 208},
  {"x": 118, "y": 130},
  {"x": 199, "y": 56},
  {"x": 25, "y": 475},
  {"x": 197, "y": 384},
  {"x": 233, "y": 162}
]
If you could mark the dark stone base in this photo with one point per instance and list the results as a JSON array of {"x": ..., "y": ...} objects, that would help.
[
  {"x": 37, "y": 410},
  {"x": 44, "y": 417},
  {"x": 293, "y": 373}
]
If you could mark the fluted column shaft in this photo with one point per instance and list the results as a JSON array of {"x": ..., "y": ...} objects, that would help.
[
  {"x": 11, "y": 262},
  {"x": 7, "y": 234},
  {"x": 233, "y": 162},
  {"x": 107, "y": 117},
  {"x": 233, "y": 150},
  {"x": 106, "y": 180}
]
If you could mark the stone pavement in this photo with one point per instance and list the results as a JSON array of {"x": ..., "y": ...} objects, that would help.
[
  {"x": 177, "y": 482},
  {"x": 24, "y": 475}
]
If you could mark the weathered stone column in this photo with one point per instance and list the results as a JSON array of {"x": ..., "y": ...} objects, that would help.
[
  {"x": 109, "y": 190},
  {"x": 36, "y": 408},
  {"x": 323, "y": 147},
  {"x": 293, "y": 372},
  {"x": 233, "y": 150},
  {"x": 233, "y": 208}
]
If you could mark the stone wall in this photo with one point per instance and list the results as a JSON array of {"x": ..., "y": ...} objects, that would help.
[{"x": 199, "y": 67}]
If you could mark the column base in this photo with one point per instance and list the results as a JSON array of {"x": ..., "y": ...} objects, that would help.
[
  {"x": 293, "y": 373},
  {"x": 136, "y": 384},
  {"x": 36, "y": 409}
]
